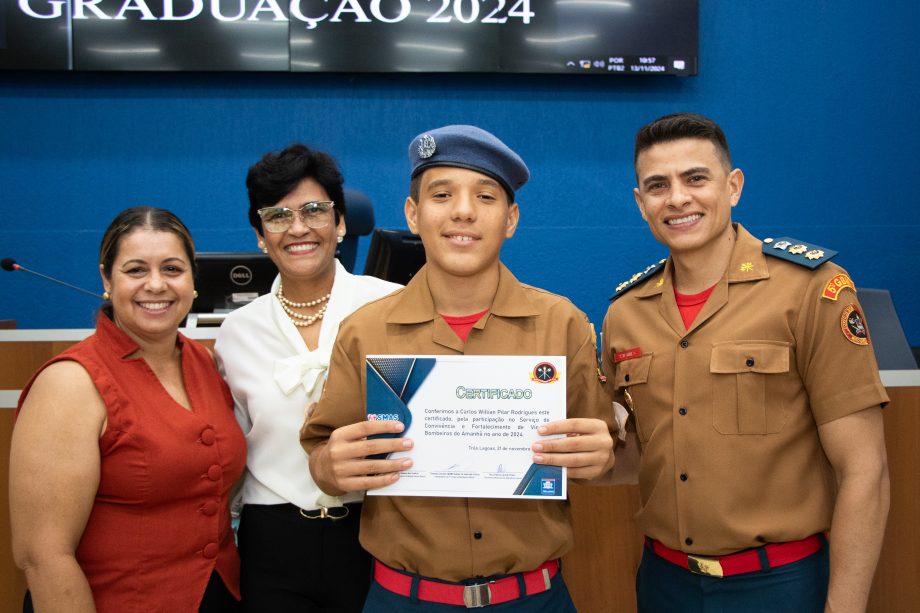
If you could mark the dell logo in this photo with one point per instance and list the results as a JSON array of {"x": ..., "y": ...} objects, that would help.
[{"x": 241, "y": 275}]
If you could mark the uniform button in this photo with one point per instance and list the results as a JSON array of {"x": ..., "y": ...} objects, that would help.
[
  {"x": 214, "y": 472},
  {"x": 684, "y": 344},
  {"x": 210, "y": 551},
  {"x": 682, "y": 410},
  {"x": 477, "y": 535},
  {"x": 688, "y": 541},
  {"x": 749, "y": 362},
  {"x": 683, "y": 476},
  {"x": 207, "y": 436},
  {"x": 209, "y": 509},
  {"x": 626, "y": 378}
]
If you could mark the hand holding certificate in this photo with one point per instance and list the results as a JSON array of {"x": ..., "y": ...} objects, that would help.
[{"x": 473, "y": 421}]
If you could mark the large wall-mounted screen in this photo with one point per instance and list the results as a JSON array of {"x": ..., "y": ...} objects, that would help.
[{"x": 504, "y": 36}]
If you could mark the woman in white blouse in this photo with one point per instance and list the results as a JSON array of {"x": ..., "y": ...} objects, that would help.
[{"x": 299, "y": 547}]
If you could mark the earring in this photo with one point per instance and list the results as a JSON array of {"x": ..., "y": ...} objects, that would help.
[
  {"x": 195, "y": 294},
  {"x": 340, "y": 238},
  {"x": 262, "y": 247},
  {"x": 106, "y": 296}
]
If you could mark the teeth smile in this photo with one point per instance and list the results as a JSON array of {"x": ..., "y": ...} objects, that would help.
[
  {"x": 300, "y": 248},
  {"x": 683, "y": 220},
  {"x": 461, "y": 238},
  {"x": 153, "y": 306}
]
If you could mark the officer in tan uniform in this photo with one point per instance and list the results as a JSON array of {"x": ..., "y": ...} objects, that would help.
[
  {"x": 444, "y": 554},
  {"x": 754, "y": 398}
]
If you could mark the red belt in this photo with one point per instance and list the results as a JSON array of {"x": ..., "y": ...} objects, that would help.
[
  {"x": 778, "y": 554},
  {"x": 470, "y": 596}
]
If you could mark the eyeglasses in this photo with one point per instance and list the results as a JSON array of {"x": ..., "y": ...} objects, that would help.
[{"x": 312, "y": 215}]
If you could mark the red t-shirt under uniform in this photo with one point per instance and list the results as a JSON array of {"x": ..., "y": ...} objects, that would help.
[{"x": 690, "y": 305}]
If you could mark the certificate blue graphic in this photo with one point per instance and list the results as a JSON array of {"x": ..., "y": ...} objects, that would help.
[{"x": 472, "y": 420}]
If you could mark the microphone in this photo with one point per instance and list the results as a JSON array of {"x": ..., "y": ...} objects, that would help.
[{"x": 11, "y": 265}]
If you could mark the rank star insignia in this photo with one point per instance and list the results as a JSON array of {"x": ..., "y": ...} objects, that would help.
[
  {"x": 747, "y": 267},
  {"x": 782, "y": 245},
  {"x": 814, "y": 254},
  {"x": 797, "y": 249}
]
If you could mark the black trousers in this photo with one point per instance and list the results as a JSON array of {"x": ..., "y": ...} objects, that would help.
[{"x": 291, "y": 563}]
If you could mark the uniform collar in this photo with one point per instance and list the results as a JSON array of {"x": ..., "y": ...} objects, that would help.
[
  {"x": 747, "y": 263},
  {"x": 415, "y": 305}
]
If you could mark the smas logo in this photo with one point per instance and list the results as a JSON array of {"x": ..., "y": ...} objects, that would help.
[{"x": 382, "y": 417}]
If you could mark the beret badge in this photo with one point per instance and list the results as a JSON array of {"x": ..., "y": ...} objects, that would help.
[{"x": 426, "y": 146}]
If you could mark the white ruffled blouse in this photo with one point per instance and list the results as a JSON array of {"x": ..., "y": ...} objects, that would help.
[{"x": 274, "y": 378}]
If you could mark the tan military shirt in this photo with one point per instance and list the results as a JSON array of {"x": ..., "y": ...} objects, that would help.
[
  {"x": 460, "y": 538},
  {"x": 727, "y": 411}
]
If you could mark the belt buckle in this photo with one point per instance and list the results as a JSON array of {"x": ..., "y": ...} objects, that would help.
[
  {"x": 333, "y": 513},
  {"x": 711, "y": 567},
  {"x": 477, "y": 596}
]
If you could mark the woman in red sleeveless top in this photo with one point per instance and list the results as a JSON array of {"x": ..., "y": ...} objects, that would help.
[{"x": 125, "y": 447}]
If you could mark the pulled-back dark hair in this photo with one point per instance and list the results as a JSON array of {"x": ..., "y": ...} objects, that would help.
[
  {"x": 142, "y": 217},
  {"x": 277, "y": 174},
  {"x": 682, "y": 125}
]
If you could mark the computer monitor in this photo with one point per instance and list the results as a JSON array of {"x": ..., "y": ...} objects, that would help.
[
  {"x": 394, "y": 255},
  {"x": 229, "y": 280}
]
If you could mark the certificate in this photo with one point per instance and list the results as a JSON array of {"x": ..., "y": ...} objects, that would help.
[{"x": 472, "y": 420}]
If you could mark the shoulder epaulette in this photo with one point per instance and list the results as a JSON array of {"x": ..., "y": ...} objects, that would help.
[
  {"x": 798, "y": 252},
  {"x": 636, "y": 279}
]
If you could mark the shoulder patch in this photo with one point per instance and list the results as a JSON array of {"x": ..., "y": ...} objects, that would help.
[
  {"x": 637, "y": 278},
  {"x": 836, "y": 285},
  {"x": 853, "y": 325},
  {"x": 798, "y": 252}
]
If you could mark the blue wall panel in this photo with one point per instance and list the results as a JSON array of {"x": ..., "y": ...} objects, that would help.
[{"x": 817, "y": 99}]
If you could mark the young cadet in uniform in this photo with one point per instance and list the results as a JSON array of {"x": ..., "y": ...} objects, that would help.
[
  {"x": 442, "y": 553},
  {"x": 755, "y": 398}
]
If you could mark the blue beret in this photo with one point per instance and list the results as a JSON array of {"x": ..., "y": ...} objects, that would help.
[{"x": 472, "y": 148}]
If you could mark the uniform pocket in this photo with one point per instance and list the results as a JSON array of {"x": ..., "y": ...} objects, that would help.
[
  {"x": 746, "y": 376},
  {"x": 632, "y": 381}
]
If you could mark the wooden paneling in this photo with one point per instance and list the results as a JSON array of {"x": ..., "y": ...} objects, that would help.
[
  {"x": 895, "y": 587},
  {"x": 600, "y": 570},
  {"x": 18, "y": 360}
]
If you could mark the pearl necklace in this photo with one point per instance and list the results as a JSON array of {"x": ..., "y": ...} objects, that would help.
[{"x": 296, "y": 318}]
